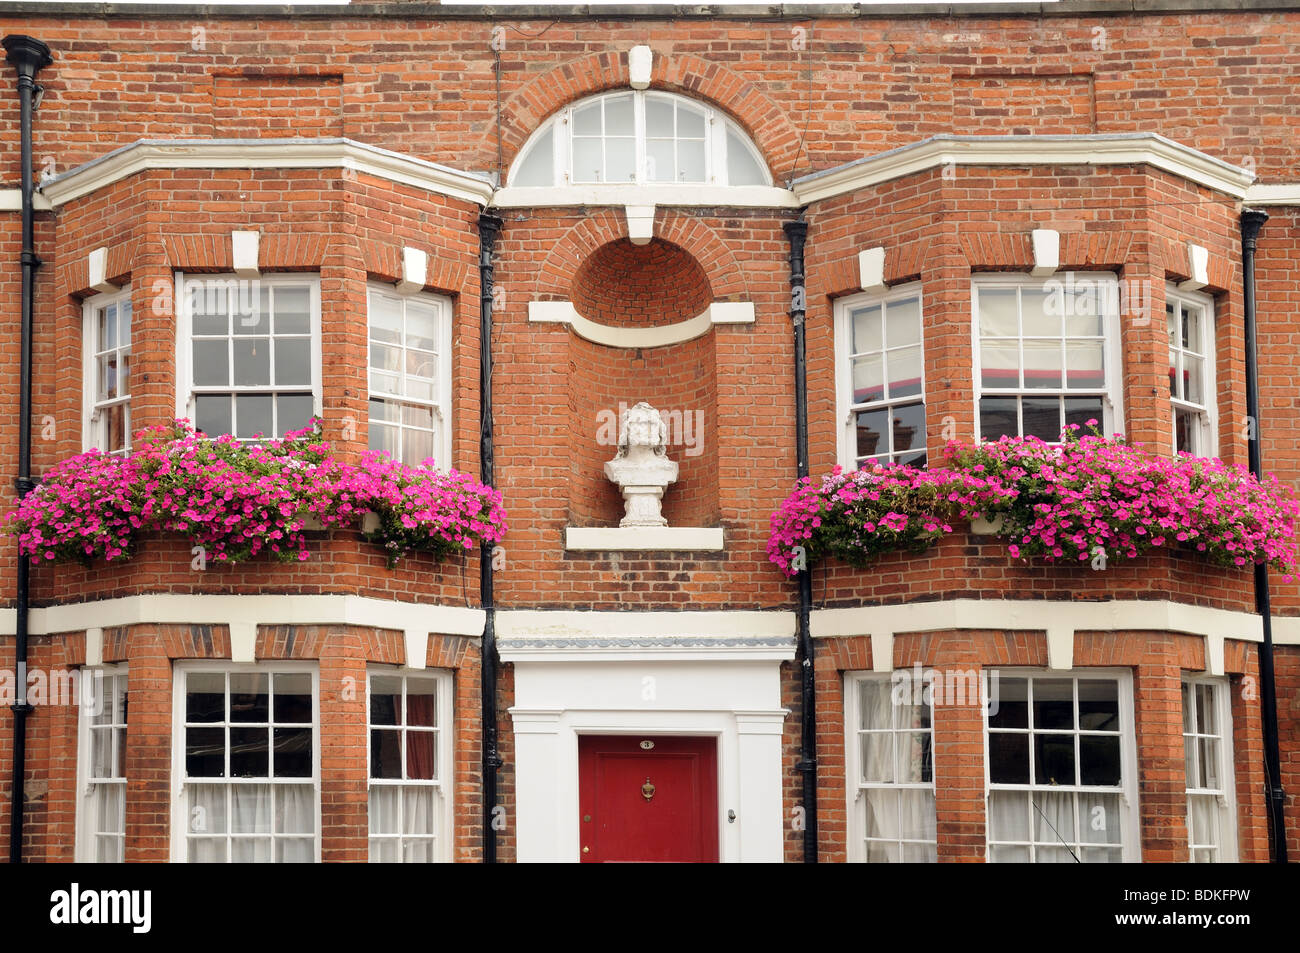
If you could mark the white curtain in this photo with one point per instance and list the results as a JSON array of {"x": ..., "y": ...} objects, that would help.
[
  {"x": 404, "y": 823},
  {"x": 1203, "y": 821},
  {"x": 262, "y": 810}
]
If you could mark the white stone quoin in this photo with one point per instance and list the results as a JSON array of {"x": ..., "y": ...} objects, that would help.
[{"x": 641, "y": 467}]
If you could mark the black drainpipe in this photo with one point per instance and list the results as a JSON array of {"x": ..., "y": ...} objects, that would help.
[
  {"x": 797, "y": 234},
  {"x": 28, "y": 56},
  {"x": 1252, "y": 220},
  {"x": 489, "y": 226}
]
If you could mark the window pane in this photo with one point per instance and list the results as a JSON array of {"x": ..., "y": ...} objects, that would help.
[
  {"x": 293, "y": 309},
  {"x": 909, "y": 427},
  {"x": 250, "y": 307},
  {"x": 871, "y": 432},
  {"x": 422, "y": 702},
  {"x": 421, "y": 746},
  {"x": 1099, "y": 760},
  {"x": 538, "y": 167},
  {"x": 878, "y": 757},
  {"x": 107, "y": 332},
  {"x": 868, "y": 379},
  {"x": 1053, "y": 703},
  {"x": 293, "y": 754},
  {"x": 1053, "y": 817},
  {"x": 659, "y": 118},
  {"x": 1193, "y": 329},
  {"x": 249, "y": 698},
  {"x": 117, "y": 427},
  {"x": 917, "y": 815},
  {"x": 866, "y": 329},
  {"x": 205, "y": 752},
  {"x": 253, "y": 415},
  {"x": 250, "y": 751},
  {"x": 1042, "y": 363},
  {"x": 205, "y": 696},
  {"x": 618, "y": 115},
  {"x": 690, "y": 161},
  {"x": 252, "y": 360},
  {"x": 1099, "y": 817},
  {"x": 211, "y": 363},
  {"x": 107, "y": 367},
  {"x": 208, "y": 313},
  {"x": 207, "y": 809},
  {"x": 1085, "y": 365},
  {"x": 422, "y": 327},
  {"x": 588, "y": 160},
  {"x": 385, "y": 320},
  {"x": 690, "y": 121},
  {"x": 385, "y": 809},
  {"x": 212, "y": 414},
  {"x": 1209, "y": 757},
  {"x": 904, "y": 372},
  {"x": 999, "y": 365},
  {"x": 1008, "y": 703},
  {"x": 250, "y": 809},
  {"x": 997, "y": 312},
  {"x": 293, "y": 412},
  {"x": 422, "y": 363},
  {"x": 913, "y": 758},
  {"x": 1010, "y": 816},
  {"x": 293, "y": 697},
  {"x": 1008, "y": 758},
  {"x": 1042, "y": 418},
  {"x": 882, "y": 814},
  {"x": 875, "y": 697},
  {"x": 1054, "y": 759},
  {"x": 417, "y": 446},
  {"x": 385, "y": 753},
  {"x": 1207, "y": 718},
  {"x": 659, "y": 160},
  {"x": 384, "y": 439},
  {"x": 1194, "y": 379},
  {"x": 1083, "y": 311},
  {"x": 998, "y": 417},
  {"x": 293, "y": 361},
  {"x": 620, "y": 160},
  {"x": 742, "y": 168},
  {"x": 1041, "y": 312},
  {"x": 1098, "y": 704},
  {"x": 1080, "y": 410},
  {"x": 903, "y": 322},
  {"x": 385, "y": 699},
  {"x": 586, "y": 120}
]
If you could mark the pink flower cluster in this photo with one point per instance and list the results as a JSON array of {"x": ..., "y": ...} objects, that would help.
[
  {"x": 235, "y": 500},
  {"x": 1088, "y": 497}
]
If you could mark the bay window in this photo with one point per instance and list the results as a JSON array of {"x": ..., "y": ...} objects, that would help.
[
  {"x": 249, "y": 354},
  {"x": 1190, "y": 320},
  {"x": 101, "y": 762},
  {"x": 880, "y": 379},
  {"x": 246, "y": 764},
  {"x": 891, "y": 766},
  {"x": 106, "y": 343},
  {"x": 410, "y": 376},
  {"x": 410, "y": 766},
  {"x": 1207, "y": 756},
  {"x": 1046, "y": 355},
  {"x": 1060, "y": 760}
]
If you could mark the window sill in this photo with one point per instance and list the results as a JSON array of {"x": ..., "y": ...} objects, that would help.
[{"x": 643, "y": 538}]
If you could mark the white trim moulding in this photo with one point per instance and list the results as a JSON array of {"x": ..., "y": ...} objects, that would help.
[
  {"x": 563, "y": 312},
  {"x": 649, "y": 538},
  {"x": 1143, "y": 148},
  {"x": 147, "y": 154}
]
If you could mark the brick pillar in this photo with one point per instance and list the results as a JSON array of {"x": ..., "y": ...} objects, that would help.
[
  {"x": 148, "y": 747},
  {"x": 1144, "y": 349},
  {"x": 344, "y": 795},
  {"x": 959, "y": 764},
  {"x": 1248, "y": 761},
  {"x": 946, "y": 316},
  {"x": 1162, "y": 779}
]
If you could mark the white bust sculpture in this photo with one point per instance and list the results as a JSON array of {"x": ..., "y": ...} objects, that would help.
[{"x": 641, "y": 467}]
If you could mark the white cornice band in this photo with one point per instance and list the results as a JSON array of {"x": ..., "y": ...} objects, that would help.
[
  {"x": 950, "y": 150},
  {"x": 644, "y": 538},
  {"x": 150, "y": 154},
  {"x": 935, "y": 152},
  {"x": 563, "y": 312}
]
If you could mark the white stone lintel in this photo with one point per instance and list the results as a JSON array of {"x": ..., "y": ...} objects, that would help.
[
  {"x": 97, "y": 262},
  {"x": 415, "y": 267},
  {"x": 1047, "y": 252},
  {"x": 640, "y": 223},
  {"x": 243, "y": 253},
  {"x": 871, "y": 269},
  {"x": 1198, "y": 266},
  {"x": 640, "y": 61},
  {"x": 882, "y": 651}
]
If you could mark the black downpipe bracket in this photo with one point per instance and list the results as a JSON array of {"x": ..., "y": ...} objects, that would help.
[
  {"x": 489, "y": 227},
  {"x": 28, "y": 56},
  {"x": 797, "y": 234},
  {"x": 1252, "y": 220}
]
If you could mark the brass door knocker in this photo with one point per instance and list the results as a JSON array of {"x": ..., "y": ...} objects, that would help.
[{"x": 647, "y": 790}]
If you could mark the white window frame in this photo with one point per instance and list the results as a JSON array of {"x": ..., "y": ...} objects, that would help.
[
  {"x": 93, "y": 434},
  {"x": 1129, "y": 826},
  {"x": 442, "y": 407},
  {"x": 185, "y": 388},
  {"x": 443, "y": 757},
  {"x": 855, "y": 788},
  {"x": 1226, "y": 819},
  {"x": 1207, "y": 430},
  {"x": 845, "y": 409},
  {"x": 717, "y": 125},
  {"x": 86, "y": 823},
  {"x": 1112, "y": 395},
  {"x": 180, "y": 815}
]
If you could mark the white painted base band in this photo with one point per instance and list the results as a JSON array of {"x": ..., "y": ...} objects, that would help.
[{"x": 650, "y": 538}]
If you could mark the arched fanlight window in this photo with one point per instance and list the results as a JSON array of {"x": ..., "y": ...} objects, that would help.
[{"x": 637, "y": 137}]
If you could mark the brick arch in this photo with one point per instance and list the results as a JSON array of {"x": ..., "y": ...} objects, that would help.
[
  {"x": 775, "y": 135},
  {"x": 723, "y": 271}
]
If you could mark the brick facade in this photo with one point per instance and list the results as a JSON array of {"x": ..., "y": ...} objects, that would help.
[{"x": 813, "y": 93}]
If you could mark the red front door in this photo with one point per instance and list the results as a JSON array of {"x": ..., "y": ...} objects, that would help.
[{"x": 648, "y": 798}]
